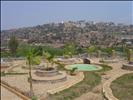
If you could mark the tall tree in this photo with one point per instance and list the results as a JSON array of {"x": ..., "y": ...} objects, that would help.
[
  {"x": 13, "y": 45},
  {"x": 30, "y": 59},
  {"x": 90, "y": 50}
]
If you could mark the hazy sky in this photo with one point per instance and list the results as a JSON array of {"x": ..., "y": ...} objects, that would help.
[{"x": 15, "y": 14}]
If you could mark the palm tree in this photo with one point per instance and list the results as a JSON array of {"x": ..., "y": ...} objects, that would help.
[
  {"x": 69, "y": 49},
  {"x": 90, "y": 50},
  {"x": 49, "y": 58},
  {"x": 30, "y": 56}
]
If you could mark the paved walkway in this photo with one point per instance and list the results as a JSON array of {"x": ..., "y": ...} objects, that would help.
[
  {"x": 7, "y": 95},
  {"x": 112, "y": 75},
  {"x": 107, "y": 79}
]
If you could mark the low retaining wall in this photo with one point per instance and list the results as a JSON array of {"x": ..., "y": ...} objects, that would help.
[
  {"x": 50, "y": 81},
  {"x": 109, "y": 61},
  {"x": 127, "y": 66}
]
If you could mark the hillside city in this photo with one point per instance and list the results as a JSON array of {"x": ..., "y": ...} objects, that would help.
[{"x": 83, "y": 33}]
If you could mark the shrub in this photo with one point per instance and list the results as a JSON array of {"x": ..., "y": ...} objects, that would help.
[
  {"x": 33, "y": 98},
  {"x": 36, "y": 60}
]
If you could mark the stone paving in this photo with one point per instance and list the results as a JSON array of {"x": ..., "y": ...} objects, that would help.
[{"x": 7, "y": 95}]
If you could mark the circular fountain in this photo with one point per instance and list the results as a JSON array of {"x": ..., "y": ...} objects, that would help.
[{"x": 48, "y": 75}]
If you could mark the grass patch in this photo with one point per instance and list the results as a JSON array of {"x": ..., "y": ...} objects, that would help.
[
  {"x": 122, "y": 87},
  {"x": 104, "y": 68},
  {"x": 91, "y": 80}
]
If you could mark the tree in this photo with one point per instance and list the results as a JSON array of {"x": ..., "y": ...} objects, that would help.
[
  {"x": 13, "y": 45},
  {"x": 49, "y": 58},
  {"x": 69, "y": 49},
  {"x": 90, "y": 50},
  {"x": 30, "y": 59},
  {"x": 39, "y": 50}
]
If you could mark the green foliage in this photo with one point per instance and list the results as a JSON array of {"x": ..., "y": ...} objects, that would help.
[
  {"x": 60, "y": 66},
  {"x": 104, "y": 68},
  {"x": 69, "y": 49},
  {"x": 38, "y": 50},
  {"x": 53, "y": 51},
  {"x": 90, "y": 50},
  {"x": 2, "y": 73},
  {"x": 129, "y": 53},
  {"x": 73, "y": 70},
  {"x": 107, "y": 50},
  {"x": 30, "y": 56},
  {"x": 36, "y": 60},
  {"x": 122, "y": 87},
  {"x": 13, "y": 45},
  {"x": 79, "y": 50},
  {"x": 49, "y": 57},
  {"x": 34, "y": 98},
  {"x": 22, "y": 50},
  {"x": 91, "y": 80}
]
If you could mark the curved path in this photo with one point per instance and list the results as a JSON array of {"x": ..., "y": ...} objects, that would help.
[
  {"x": 111, "y": 76},
  {"x": 107, "y": 79}
]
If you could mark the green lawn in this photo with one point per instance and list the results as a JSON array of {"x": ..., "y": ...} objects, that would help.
[
  {"x": 122, "y": 87},
  {"x": 90, "y": 81}
]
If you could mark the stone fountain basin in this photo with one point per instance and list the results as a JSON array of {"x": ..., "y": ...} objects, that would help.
[
  {"x": 43, "y": 72},
  {"x": 109, "y": 60},
  {"x": 127, "y": 66},
  {"x": 46, "y": 79}
]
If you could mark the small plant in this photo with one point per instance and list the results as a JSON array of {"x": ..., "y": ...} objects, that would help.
[
  {"x": 72, "y": 72},
  {"x": 36, "y": 60},
  {"x": 60, "y": 66},
  {"x": 33, "y": 98}
]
